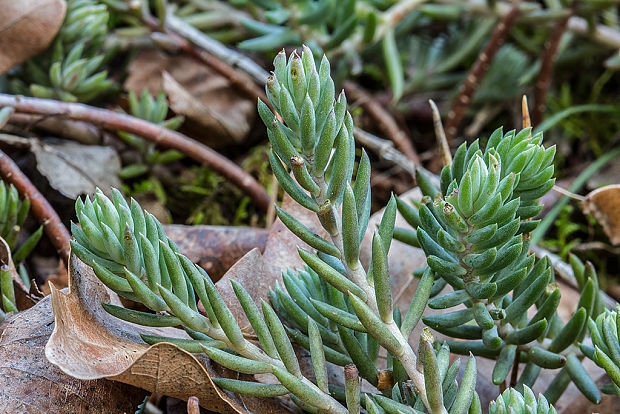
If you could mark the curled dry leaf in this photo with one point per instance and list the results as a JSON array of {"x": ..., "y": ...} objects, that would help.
[
  {"x": 88, "y": 343},
  {"x": 216, "y": 248},
  {"x": 604, "y": 205},
  {"x": 30, "y": 384},
  {"x": 205, "y": 98},
  {"x": 74, "y": 169},
  {"x": 26, "y": 28}
]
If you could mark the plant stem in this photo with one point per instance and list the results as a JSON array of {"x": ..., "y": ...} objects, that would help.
[{"x": 358, "y": 275}]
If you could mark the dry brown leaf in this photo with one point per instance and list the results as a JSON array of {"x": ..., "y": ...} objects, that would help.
[
  {"x": 604, "y": 205},
  {"x": 75, "y": 169},
  {"x": 29, "y": 383},
  {"x": 216, "y": 248},
  {"x": 26, "y": 28},
  {"x": 197, "y": 92},
  {"x": 88, "y": 343}
]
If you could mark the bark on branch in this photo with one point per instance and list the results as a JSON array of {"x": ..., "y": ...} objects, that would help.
[{"x": 115, "y": 121}]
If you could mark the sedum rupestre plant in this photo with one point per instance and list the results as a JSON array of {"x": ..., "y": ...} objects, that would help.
[
  {"x": 474, "y": 230},
  {"x": 473, "y": 227}
]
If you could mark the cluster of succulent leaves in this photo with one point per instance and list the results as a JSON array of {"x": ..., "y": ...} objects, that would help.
[
  {"x": 154, "y": 110},
  {"x": 512, "y": 401},
  {"x": 473, "y": 227},
  {"x": 13, "y": 214},
  {"x": 70, "y": 70}
]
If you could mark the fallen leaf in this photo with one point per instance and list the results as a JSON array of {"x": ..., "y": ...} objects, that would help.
[
  {"x": 74, "y": 169},
  {"x": 26, "y": 28},
  {"x": 88, "y": 343},
  {"x": 216, "y": 248},
  {"x": 604, "y": 205},
  {"x": 204, "y": 97},
  {"x": 29, "y": 383}
]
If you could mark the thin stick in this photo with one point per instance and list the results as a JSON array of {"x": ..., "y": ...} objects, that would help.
[
  {"x": 385, "y": 149},
  {"x": 166, "y": 138},
  {"x": 568, "y": 193},
  {"x": 440, "y": 134},
  {"x": 477, "y": 72},
  {"x": 546, "y": 68},
  {"x": 384, "y": 119},
  {"x": 41, "y": 208}
]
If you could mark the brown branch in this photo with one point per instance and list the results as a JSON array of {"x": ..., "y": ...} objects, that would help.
[
  {"x": 41, "y": 208},
  {"x": 515, "y": 370},
  {"x": 166, "y": 138},
  {"x": 477, "y": 72},
  {"x": 546, "y": 68},
  {"x": 384, "y": 119}
]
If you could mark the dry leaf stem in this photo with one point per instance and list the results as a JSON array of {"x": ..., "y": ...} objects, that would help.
[
  {"x": 41, "y": 208},
  {"x": 166, "y": 138}
]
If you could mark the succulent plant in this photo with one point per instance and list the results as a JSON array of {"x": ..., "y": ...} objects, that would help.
[
  {"x": 474, "y": 230},
  {"x": 473, "y": 225},
  {"x": 155, "y": 110},
  {"x": 604, "y": 331}
]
